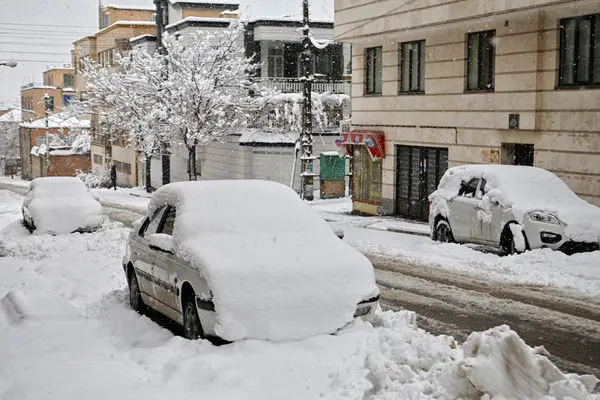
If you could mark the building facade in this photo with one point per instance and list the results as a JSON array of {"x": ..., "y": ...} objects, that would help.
[
  {"x": 460, "y": 82},
  {"x": 117, "y": 24}
]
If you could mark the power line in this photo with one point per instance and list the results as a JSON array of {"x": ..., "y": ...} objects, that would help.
[
  {"x": 50, "y": 25},
  {"x": 32, "y": 52}
]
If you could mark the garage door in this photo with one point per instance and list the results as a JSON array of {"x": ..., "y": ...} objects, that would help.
[{"x": 418, "y": 172}]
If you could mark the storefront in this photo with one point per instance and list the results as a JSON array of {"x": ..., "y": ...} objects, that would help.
[{"x": 367, "y": 149}]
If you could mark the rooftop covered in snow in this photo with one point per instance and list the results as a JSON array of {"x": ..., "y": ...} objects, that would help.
[{"x": 57, "y": 121}]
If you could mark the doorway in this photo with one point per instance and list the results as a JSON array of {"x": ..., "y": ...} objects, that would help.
[{"x": 418, "y": 173}]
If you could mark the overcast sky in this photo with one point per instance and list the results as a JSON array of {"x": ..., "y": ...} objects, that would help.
[{"x": 39, "y": 33}]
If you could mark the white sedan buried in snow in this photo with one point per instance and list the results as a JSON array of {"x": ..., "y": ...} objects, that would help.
[
  {"x": 245, "y": 260},
  {"x": 59, "y": 205},
  {"x": 512, "y": 207}
]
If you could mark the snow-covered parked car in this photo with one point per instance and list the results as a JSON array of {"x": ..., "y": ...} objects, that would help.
[
  {"x": 60, "y": 205},
  {"x": 512, "y": 207},
  {"x": 245, "y": 260}
]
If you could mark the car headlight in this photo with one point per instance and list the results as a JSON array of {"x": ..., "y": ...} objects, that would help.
[{"x": 540, "y": 216}]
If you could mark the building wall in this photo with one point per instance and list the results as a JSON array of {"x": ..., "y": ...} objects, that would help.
[
  {"x": 60, "y": 165},
  {"x": 27, "y": 139},
  {"x": 55, "y": 77},
  {"x": 115, "y": 15},
  {"x": 125, "y": 156},
  {"x": 563, "y": 125},
  {"x": 205, "y": 13},
  {"x": 32, "y": 99},
  {"x": 98, "y": 160},
  {"x": 105, "y": 40},
  {"x": 82, "y": 49}
]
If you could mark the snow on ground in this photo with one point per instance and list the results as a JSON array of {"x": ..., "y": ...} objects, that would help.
[
  {"x": 67, "y": 331},
  {"x": 579, "y": 272}
]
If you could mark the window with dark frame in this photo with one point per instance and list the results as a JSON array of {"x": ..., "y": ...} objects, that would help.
[
  {"x": 579, "y": 51},
  {"x": 373, "y": 58},
  {"x": 412, "y": 67},
  {"x": 480, "y": 61}
]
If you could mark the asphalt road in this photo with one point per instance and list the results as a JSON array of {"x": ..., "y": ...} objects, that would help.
[{"x": 455, "y": 304}]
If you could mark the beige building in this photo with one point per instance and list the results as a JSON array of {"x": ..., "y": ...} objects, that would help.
[
  {"x": 445, "y": 83},
  {"x": 117, "y": 25}
]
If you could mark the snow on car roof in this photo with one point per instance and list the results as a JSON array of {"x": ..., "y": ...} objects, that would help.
[
  {"x": 241, "y": 205},
  {"x": 57, "y": 184},
  {"x": 520, "y": 185}
]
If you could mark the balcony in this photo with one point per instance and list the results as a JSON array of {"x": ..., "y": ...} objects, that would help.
[{"x": 294, "y": 85}]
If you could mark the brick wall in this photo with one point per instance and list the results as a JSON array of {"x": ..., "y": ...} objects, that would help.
[{"x": 68, "y": 165}]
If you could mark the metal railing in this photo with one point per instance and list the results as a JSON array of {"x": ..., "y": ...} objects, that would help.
[{"x": 294, "y": 85}]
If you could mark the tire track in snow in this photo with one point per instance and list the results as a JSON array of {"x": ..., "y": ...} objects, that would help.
[{"x": 447, "y": 308}]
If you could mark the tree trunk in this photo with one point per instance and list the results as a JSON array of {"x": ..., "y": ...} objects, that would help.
[
  {"x": 148, "y": 176},
  {"x": 192, "y": 168},
  {"x": 166, "y": 168}
]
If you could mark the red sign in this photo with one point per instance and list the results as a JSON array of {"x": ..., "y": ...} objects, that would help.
[{"x": 374, "y": 140}]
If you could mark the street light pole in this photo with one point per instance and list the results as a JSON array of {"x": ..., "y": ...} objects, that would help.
[
  {"x": 306, "y": 137},
  {"x": 10, "y": 64},
  {"x": 47, "y": 153}
]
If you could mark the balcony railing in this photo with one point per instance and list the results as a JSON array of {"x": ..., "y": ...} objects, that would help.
[{"x": 294, "y": 85}]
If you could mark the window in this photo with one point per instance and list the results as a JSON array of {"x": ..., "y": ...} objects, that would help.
[
  {"x": 412, "y": 67},
  {"x": 97, "y": 159},
  {"x": 518, "y": 154},
  {"x": 168, "y": 222},
  {"x": 275, "y": 63},
  {"x": 373, "y": 70},
  {"x": 580, "y": 51},
  {"x": 67, "y": 80},
  {"x": 153, "y": 224},
  {"x": 480, "y": 60},
  {"x": 123, "y": 167},
  {"x": 468, "y": 189}
]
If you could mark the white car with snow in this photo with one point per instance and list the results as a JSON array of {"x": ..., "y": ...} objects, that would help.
[
  {"x": 60, "y": 205},
  {"x": 245, "y": 260},
  {"x": 512, "y": 207}
]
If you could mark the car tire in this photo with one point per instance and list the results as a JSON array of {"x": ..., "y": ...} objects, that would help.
[
  {"x": 443, "y": 232},
  {"x": 192, "y": 328},
  {"x": 135, "y": 296},
  {"x": 508, "y": 241}
]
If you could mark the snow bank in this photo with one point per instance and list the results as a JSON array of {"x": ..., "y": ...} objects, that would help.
[
  {"x": 522, "y": 189},
  {"x": 61, "y": 205},
  {"x": 276, "y": 269},
  {"x": 499, "y": 363}
]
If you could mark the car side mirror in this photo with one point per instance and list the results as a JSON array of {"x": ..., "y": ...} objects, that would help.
[{"x": 162, "y": 242}]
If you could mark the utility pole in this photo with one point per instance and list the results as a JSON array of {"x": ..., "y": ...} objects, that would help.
[
  {"x": 306, "y": 138},
  {"x": 47, "y": 153}
]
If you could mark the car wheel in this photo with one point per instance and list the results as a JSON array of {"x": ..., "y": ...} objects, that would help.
[
  {"x": 443, "y": 232},
  {"x": 192, "y": 329},
  {"x": 508, "y": 241},
  {"x": 135, "y": 296}
]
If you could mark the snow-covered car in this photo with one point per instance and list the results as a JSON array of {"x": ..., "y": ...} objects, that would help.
[
  {"x": 512, "y": 207},
  {"x": 60, "y": 205},
  {"x": 245, "y": 260}
]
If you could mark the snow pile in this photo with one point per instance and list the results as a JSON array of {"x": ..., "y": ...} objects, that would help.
[
  {"x": 61, "y": 205},
  {"x": 95, "y": 179},
  {"x": 275, "y": 268},
  {"x": 499, "y": 363},
  {"x": 82, "y": 144},
  {"x": 263, "y": 136},
  {"x": 522, "y": 190}
]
